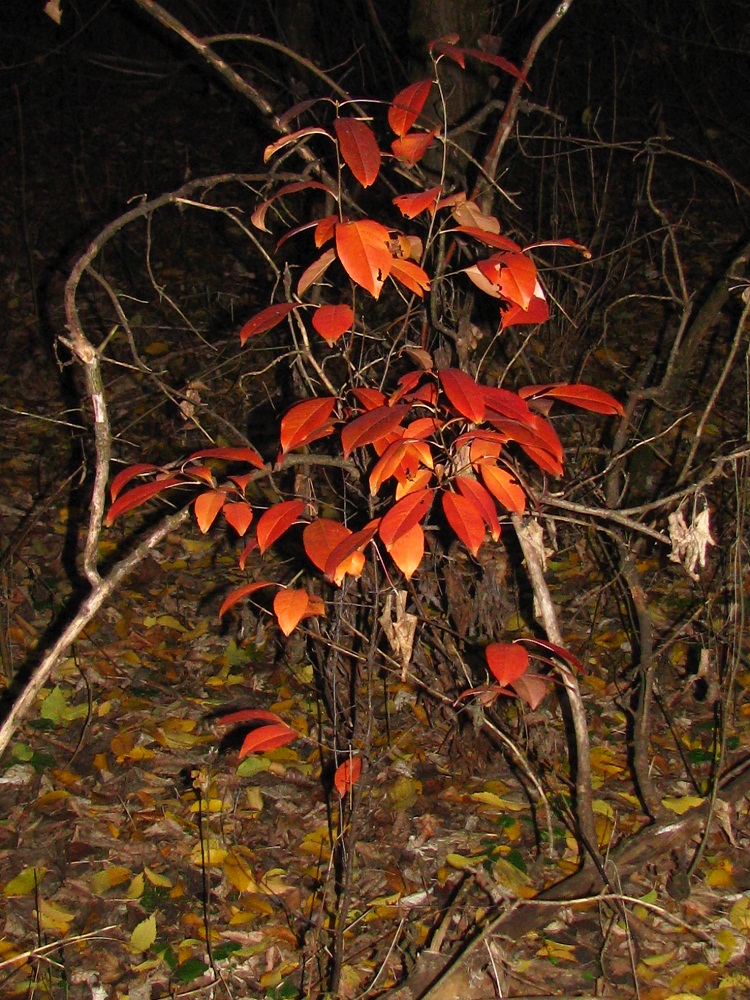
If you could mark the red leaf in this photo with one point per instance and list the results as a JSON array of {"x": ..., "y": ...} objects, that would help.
[
  {"x": 371, "y": 427},
  {"x": 407, "y": 551},
  {"x": 411, "y": 148},
  {"x": 290, "y": 606},
  {"x": 362, "y": 248},
  {"x": 207, "y": 507},
  {"x": 482, "y": 501},
  {"x": 239, "y": 516},
  {"x": 359, "y": 149},
  {"x": 493, "y": 60},
  {"x": 446, "y": 46},
  {"x": 306, "y": 422},
  {"x": 321, "y": 537},
  {"x": 465, "y": 520},
  {"x": 347, "y": 775},
  {"x": 276, "y": 520},
  {"x": 332, "y": 322},
  {"x": 537, "y": 312},
  {"x": 407, "y": 106},
  {"x": 505, "y": 403},
  {"x": 465, "y": 395},
  {"x": 577, "y": 394},
  {"x": 266, "y": 319},
  {"x": 258, "y": 218},
  {"x": 491, "y": 239},
  {"x": 315, "y": 271},
  {"x": 411, "y": 275},
  {"x": 507, "y": 661},
  {"x": 325, "y": 229},
  {"x": 504, "y": 486},
  {"x": 139, "y": 495},
  {"x": 404, "y": 515},
  {"x": 241, "y": 592},
  {"x": 514, "y": 274},
  {"x": 230, "y": 455},
  {"x": 125, "y": 475},
  {"x": 369, "y": 398},
  {"x": 267, "y": 738},
  {"x": 293, "y": 137},
  {"x": 411, "y": 205},
  {"x": 558, "y": 651},
  {"x": 342, "y": 559},
  {"x": 248, "y": 715}
]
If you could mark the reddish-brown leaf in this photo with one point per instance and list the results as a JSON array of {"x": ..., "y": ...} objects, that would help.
[
  {"x": 411, "y": 205},
  {"x": 332, "y": 322},
  {"x": 371, "y": 426},
  {"x": 347, "y": 775},
  {"x": 552, "y": 648},
  {"x": 466, "y": 397},
  {"x": 290, "y": 606},
  {"x": 499, "y": 61},
  {"x": 276, "y": 520},
  {"x": 465, "y": 519},
  {"x": 577, "y": 394},
  {"x": 531, "y": 688},
  {"x": 207, "y": 507},
  {"x": 230, "y": 455},
  {"x": 139, "y": 495},
  {"x": 504, "y": 487},
  {"x": 305, "y": 422},
  {"x": 258, "y": 218},
  {"x": 404, "y": 515},
  {"x": 315, "y": 271},
  {"x": 407, "y": 551},
  {"x": 287, "y": 140},
  {"x": 407, "y": 106},
  {"x": 491, "y": 239},
  {"x": 410, "y": 149},
  {"x": 266, "y": 319},
  {"x": 125, "y": 475},
  {"x": 505, "y": 403},
  {"x": 362, "y": 248},
  {"x": 239, "y": 516},
  {"x": 241, "y": 593},
  {"x": 359, "y": 149},
  {"x": 446, "y": 46},
  {"x": 482, "y": 501},
  {"x": 267, "y": 738},
  {"x": 507, "y": 661}
]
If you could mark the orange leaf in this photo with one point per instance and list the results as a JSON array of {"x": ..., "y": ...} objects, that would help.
[
  {"x": 371, "y": 427},
  {"x": 410, "y": 205},
  {"x": 125, "y": 475},
  {"x": 407, "y": 106},
  {"x": 139, "y": 495},
  {"x": 248, "y": 715},
  {"x": 411, "y": 275},
  {"x": 482, "y": 502},
  {"x": 577, "y": 394},
  {"x": 266, "y": 319},
  {"x": 404, "y": 515},
  {"x": 507, "y": 661},
  {"x": 289, "y": 607},
  {"x": 267, "y": 738},
  {"x": 276, "y": 520},
  {"x": 466, "y": 521},
  {"x": 315, "y": 271},
  {"x": 514, "y": 274},
  {"x": 537, "y": 312},
  {"x": 230, "y": 455},
  {"x": 325, "y": 228},
  {"x": 293, "y": 137},
  {"x": 239, "y": 516},
  {"x": 369, "y": 398},
  {"x": 408, "y": 550},
  {"x": 207, "y": 507},
  {"x": 505, "y": 403},
  {"x": 465, "y": 395},
  {"x": 321, "y": 537},
  {"x": 504, "y": 486},
  {"x": 347, "y": 775},
  {"x": 332, "y": 322},
  {"x": 306, "y": 422},
  {"x": 419, "y": 482},
  {"x": 411, "y": 148},
  {"x": 241, "y": 592},
  {"x": 362, "y": 248},
  {"x": 359, "y": 149},
  {"x": 342, "y": 559}
]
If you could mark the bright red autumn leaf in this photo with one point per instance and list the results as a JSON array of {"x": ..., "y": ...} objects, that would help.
[
  {"x": 290, "y": 606},
  {"x": 306, "y": 422},
  {"x": 404, "y": 515},
  {"x": 491, "y": 239},
  {"x": 536, "y": 313},
  {"x": 553, "y": 649},
  {"x": 507, "y": 661},
  {"x": 359, "y": 149},
  {"x": 325, "y": 229},
  {"x": 266, "y": 319},
  {"x": 139, "y": 495},
  {"x": 321, "y": 537},
  {"x": 342, "y": 559},
  {"x": 267, "y": 738},
  {"x": 276, "y": 520},
  {"x": 407, "y": 106},
  {"x": 411, "y": 205},
  {"x": 465, "y": 519},
  {"x": 371, "y": 426},
  {"x": 407, "y": 551},
  {"x": 362, "y": 248},
  {"x": 576, "y": 394},
  {"x": 514, "y": 274},
  {"x": 248, "y": 715},
  {"x": 411, "y": 276},
  {"x": 504, "y": 487},
  {"x": 410, "y": 149},
  {"x": 125, "y": 475},
  {"x": 230, "y": 455},
  {"x": 482, "y": 501},
  {"x": 207, "y": 507},
  {"x": 238, "y": 516},
  {"x": 421, "y": 481},
  {"x": 347, "y": 775},
  {"x": 241, "y": 593},
  {"x": 333, "y": 322},
  {"x": 464, "y": 394}
]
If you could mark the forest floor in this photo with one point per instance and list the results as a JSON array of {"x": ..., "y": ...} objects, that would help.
[{"x": 138, "y": 861}]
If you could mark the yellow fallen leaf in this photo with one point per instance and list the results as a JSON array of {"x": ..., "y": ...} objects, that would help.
[
  {"x": 54, "y": 918},
  {"x": 558, "y": 952},
  {"x": 681, "y": 805},
  {"x": 254, "y": 798},
  {"x": 110, "y": 878},
  {"x": 739, "y": 915},
  {"x": 694, "y": 977},
  {"x": 25, "y": 882},
  {"x": 207, "y": 852},
  {"x": 136, "y": 887},
  {"x": 144, "y": 934},
  {"x": 728, "y": 944},
  {"x": 720, "y": 876},
  {"x": 155, "y": 879},
  {"x": 404, "y": 792},
  {"x": 497, "y": 802},
  {"x": 238, "y": 872}
]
